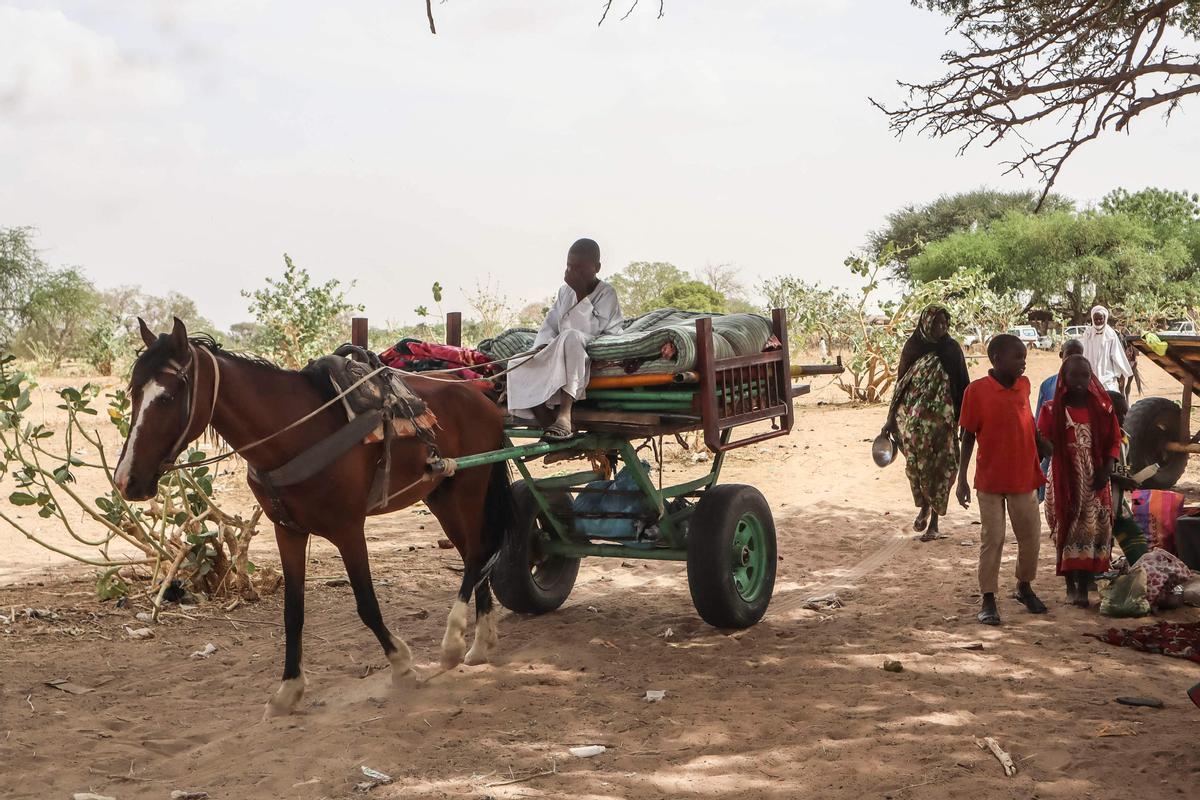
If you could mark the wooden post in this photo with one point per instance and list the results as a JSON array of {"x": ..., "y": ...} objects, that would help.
[
  {"x": 708, "y": 384},
  {"x": 358, "y": 331},
  {"x": 1185, "y": 410},
  {"x": 784, "y": 374},
  {"x": 454, "y": 329}
]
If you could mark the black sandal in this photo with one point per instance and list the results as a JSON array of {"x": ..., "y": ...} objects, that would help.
[
  {"x": 1032, "y": 602},
  {"x": 989, "y": 616},
  {"x": 557, "y": 433}
]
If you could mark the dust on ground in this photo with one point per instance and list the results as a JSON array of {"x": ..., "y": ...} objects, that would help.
[{"x": 797, "y": 706}]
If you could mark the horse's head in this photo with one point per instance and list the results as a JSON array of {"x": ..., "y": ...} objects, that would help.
[{"x": 161, "y": 391}]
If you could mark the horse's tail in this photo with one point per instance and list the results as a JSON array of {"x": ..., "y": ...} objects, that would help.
[{"x": 497, "y": 509}]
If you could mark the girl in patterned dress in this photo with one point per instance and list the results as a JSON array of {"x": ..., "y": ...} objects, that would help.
[
  {"x": 1079, "y": 422},
  {"x": 923, "y": 417}
]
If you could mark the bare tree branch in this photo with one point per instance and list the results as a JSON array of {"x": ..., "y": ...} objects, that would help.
[
  {"x": 1081, "y": 66},
  {"x": 604, "y": 16}
]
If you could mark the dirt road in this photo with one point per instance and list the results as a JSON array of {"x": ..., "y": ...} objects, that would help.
[{"x": 797, "y": 707}]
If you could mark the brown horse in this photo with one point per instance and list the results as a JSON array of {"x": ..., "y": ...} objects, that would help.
[{"x": 181, "y": 385}]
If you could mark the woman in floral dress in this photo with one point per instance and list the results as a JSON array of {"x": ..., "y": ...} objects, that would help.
[
  {"x": 1081, "y": 425},
  {"x": 923, "y": 417}
]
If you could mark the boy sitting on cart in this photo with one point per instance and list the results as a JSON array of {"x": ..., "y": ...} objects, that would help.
[{"x": 547, "y": 384}]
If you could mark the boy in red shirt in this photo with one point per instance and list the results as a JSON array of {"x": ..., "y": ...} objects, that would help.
[{"x": 996, "y": 413}]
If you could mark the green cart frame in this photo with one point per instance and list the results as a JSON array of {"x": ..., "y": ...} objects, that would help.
[{"x": 724, "y": 532}]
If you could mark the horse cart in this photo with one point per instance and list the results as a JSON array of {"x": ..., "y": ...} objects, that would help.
[
  {"x": 1160, "y": 430},
  {"x": 725, "y": 532}
]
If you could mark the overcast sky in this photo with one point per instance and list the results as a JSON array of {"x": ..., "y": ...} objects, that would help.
[{"x": 186, "y": 145}]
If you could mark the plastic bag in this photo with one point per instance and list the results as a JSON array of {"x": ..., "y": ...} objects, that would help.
[
  {"x": 1155, "y": 344},
  {"x": 1125, "y": 596}
]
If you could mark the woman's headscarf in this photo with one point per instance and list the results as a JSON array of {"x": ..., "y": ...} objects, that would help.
[
  {"x": 1104, "y": 433},
  {"x": 921, "y": 343}
]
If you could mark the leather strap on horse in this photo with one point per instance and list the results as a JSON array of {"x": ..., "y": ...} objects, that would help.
[{"x": 316, "y": 458}]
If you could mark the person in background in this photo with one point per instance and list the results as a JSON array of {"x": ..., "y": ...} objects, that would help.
[
  {"x": 1071, "y": 347},
  {"x": 1083, "y": 430},
  {"x": 931, "y": 379},
  {"x": 997, "y": 414},
  {"x": 1105, "y": 351},
  {"x": 547, "y": 384},
  {"x": 1131, "y": 355}
]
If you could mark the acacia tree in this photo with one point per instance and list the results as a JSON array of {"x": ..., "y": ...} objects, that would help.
[
  {"x": 1068, "y": 262},
  {"x": 639, "y": 285},
  {"x": 20, "y": 268},
  {"x": 1076, "y": 67},
  {"x": 910, "y": 229}
]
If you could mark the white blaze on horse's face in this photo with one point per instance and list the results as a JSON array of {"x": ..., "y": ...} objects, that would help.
[{"x": 151, "y": 391}]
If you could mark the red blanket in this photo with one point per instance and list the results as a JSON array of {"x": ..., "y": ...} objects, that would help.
[
  {"x": 414, "y": 356},
  {"x": 1179, "y": 640}
]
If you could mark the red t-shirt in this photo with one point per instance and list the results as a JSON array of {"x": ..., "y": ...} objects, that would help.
[{"x": 1007, "y": 460}]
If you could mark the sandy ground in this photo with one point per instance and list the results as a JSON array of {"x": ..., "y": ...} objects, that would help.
[{"x": 796, "y": 707}]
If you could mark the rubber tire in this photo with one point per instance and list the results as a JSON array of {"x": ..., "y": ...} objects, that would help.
[
  {"x": 516, "y": 586},
  {"x": 1151, "y": 423},
  {"x": 709, "y": 555}
]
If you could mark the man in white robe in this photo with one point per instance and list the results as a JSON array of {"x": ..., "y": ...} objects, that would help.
[
  {"x": 1105, "y": 351},
  {"x": 547, "y": 384}
]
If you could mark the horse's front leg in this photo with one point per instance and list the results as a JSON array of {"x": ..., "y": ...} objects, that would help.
[
  {"x": 352, "y": 544},
  {"x": 292, "y": 548}
]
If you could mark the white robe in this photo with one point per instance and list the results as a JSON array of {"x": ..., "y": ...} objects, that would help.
[
  {"x": 1105, "y": 351},
  {"x": 563, "y": 365}
]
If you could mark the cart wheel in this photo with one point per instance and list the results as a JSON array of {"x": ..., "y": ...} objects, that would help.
[
  {"x": 1152, "y": 422},
  {"x": 525, "y": 580},
  {"x": 731, "y": 556}
]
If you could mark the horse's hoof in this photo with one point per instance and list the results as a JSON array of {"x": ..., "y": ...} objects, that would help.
[
  {"x": 400, "y": 658},
  {"x": 474, "y": 659},
  {"x": 452, "y": 658},
  {"x": 286, "y": 698}
]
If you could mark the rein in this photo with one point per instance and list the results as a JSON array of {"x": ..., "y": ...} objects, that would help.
[
  {"x": 191, "y": 382},
  {"x": 504, "y": 360}
]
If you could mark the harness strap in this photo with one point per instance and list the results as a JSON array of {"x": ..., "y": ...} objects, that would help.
[
  {"x": 279, "y": 513},
  {"x": 311, "y": 461},
  {"x": 241, "y": 450}
]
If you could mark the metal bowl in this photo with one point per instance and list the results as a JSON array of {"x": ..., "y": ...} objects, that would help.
[{"x": 883, "y": 450}]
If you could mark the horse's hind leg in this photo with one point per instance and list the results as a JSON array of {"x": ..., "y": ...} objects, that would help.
[
  {"x": 487, "y": 637},
  {"x": 292, "y": 555},
  {"x": 454, "y": 643},
  {"x": 352, "y": 544},
  {"x": 473, "y": 509}
]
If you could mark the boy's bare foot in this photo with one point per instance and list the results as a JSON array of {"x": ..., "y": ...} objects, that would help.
[
  {"x": 544, "y": 415},
  {"x": 932, "y": 531},
  {"x": 922, "y": 520}
]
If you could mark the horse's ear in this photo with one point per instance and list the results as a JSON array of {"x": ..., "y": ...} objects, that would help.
[
  {"x": 179, "y": 340},
  {"x": 147, "y": 335}
]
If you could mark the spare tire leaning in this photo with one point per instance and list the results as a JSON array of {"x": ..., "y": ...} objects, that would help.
[{"x": 1152, "y": 422}]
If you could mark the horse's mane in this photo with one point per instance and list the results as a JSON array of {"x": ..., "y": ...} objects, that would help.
[
  {"x": 155, "y": 357},
  {"x": 208, "y": 342}
]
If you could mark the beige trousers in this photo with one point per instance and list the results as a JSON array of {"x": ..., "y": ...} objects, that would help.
[{"x": 1027, "y": 525}]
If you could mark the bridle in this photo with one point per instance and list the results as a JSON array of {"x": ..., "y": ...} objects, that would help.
[{"x": 187, "y": 374}]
